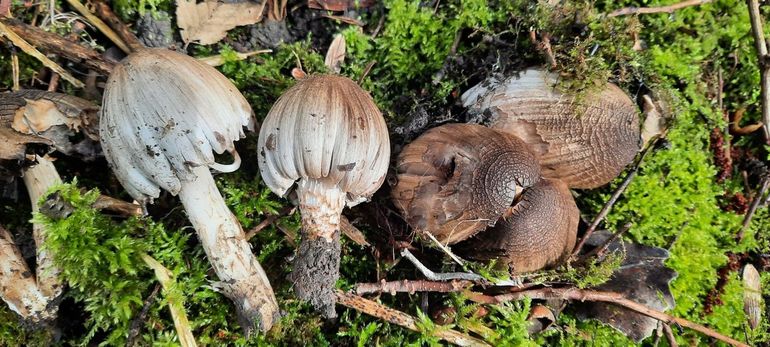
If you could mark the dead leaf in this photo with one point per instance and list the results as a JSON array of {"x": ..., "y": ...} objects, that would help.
[
  {"x": 653, "y": 120},
  {"x": 541, "y": 317},
  {"x": 642, "y": 277},
  {"x": 339, "y": 5},
  {"x": 5, "y": 8},
  {"x": 352, "y": 232},
  {"x": 207, "y": 22},
  {"x": 335, "y": 56}
]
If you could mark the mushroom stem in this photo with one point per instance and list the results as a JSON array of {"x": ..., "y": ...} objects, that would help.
[
  {"x": 317, "y": 266},
  {"x": 241, "y": 277},
  {"x": 17, "y": 285},
  {"x": 38, "y": 180}
]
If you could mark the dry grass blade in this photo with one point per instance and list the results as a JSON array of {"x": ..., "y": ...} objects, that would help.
[
  {"x": 660, "y": 9},
  {"x": 182, "y": 325},
  {"x": 99, "y": 24},
  {"x": 402, "y": 319},
  {"x": 29, "y": 49}
]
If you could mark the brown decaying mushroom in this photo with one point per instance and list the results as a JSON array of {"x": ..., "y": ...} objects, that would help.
[
  {"x": 457, "y": 179},
  {"x": 539, "y": 230},
  {"x": 327, "y": 136},
  {"x": 163, "y": 116},
  {"x": 585, "y": 141},
  {"x": 48, "y": 119}
]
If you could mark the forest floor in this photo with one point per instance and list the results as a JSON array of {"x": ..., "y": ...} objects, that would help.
[{"x": 689, "y": 195}]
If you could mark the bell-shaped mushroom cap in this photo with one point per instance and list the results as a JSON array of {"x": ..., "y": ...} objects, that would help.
[
  {"x": 164, "y": 112},
  {"x": 457, "y": 179},
  {"x": 325, "y": 128},
  {"x": 539, "y": 230},
  {"x": 585, "y": 141}
]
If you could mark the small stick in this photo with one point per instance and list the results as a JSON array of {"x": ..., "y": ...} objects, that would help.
[
  {"x": 660, "y": 9},
  {"x": 402, "y": 319},
  {"x": 137, "y": 322},
  {"x": 15, "y": 70},
  {"x": 123, "y": 208},
  {"x": 407, "y": 286},
  {"x": 614, "y": 198},
  {"x": 99, "y": 24},
  {"x": 753, "y": 208},
  {"x": 445, "y": 249},
  {"x": 103, "y": 11},
  {"x": 29, "y": 49},
  {"x": 53, "y": 83},
  {"x": 352, "y": 232},
  {"x": 440, "y": 276},
  {"x": 571, "y": 293},
  {"x": 599, "y": 251},
  {"x": 669, "y": 335},
  {"x": 764, "y": 62},
  {"x": 56, "y": 44},
  {"x": 270, "y": 220},
  {"x": 366, "y": 72}
]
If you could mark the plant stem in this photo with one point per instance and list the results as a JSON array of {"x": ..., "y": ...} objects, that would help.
[
  {"x": 166, "y": 279},
  {"x": 242, "y": 278}
]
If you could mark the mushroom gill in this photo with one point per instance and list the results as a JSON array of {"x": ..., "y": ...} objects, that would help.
[
  {"x": 457, "y": 179},
  {"x": 586, "y": 141},
  {"x": 538, "y": 231}
]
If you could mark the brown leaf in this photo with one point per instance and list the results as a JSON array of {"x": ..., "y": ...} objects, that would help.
[
  {"x": 207, "y": 22},
  {"x": 336, "y": 54},
  {"x": 5, "y": 8}
]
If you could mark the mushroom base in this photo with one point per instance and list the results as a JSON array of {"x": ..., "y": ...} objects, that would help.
[{"x": 316, "y": 271}]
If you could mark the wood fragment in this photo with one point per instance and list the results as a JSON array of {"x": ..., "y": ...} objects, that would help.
[
  {"x": 15, "y": 70},
  {"x": 352, "y": 232},
  {"x": 571, "y": 293},
  {"x": 51, "y": 43},
  {"x": 286, "y": 211},
  {"x": 17, "y": 283},
  {"x": 402, "y": 319},
  {"x": 123, "y": 208},
  {"x": 27, "y": 48},
  {"x": 412, "y": 286},
  {"x": 764, "y": 61},
  {"x": 103, "y": 11},
  {"x": 99, "y": 24},
  {"x": 658, "y": 9}
]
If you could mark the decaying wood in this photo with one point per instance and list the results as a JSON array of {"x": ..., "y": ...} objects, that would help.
[
  {"x": 99, "y": 24},
  {"x": 571, "y": 293},
  {"x": 412, "y": 286},
  {"x": 764, "y": 61},
  {"x": 103, "y": 11},
  {"x": 26, "y": 47},
  {"x": 51, "y": 43},
  {"x": 659, "y": 9},
  {"x": 402, "y": 319},
  {"x": 123, "y": 208}
]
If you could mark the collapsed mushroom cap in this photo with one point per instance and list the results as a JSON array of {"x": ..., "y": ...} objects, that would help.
[
  {"x": 539, "y": 230},
  {"x": 163, "y": 113},
  {"x": 585, "y": 141},
  {"x": 457, "y": 179},
  {"x": 325, "y": 128}
]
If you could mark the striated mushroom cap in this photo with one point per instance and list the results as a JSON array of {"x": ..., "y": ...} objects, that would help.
[
  {"x": 328, "y": 129},
  {"x": 457, "y": 179},
  {"x": 538, "y": 231},
  {"x": 586, "y": 142},
  {"x": 164, "y": 112}
]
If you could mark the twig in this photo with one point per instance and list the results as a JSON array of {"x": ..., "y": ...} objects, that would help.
[
  {"x": 123, "y": 208},
  {"x": 366, "y": 72},
  {"x": 51, "y": 43},
  {"x": 445, "y": 249},
  {"x": 440, "y": 276},
  {"x": 402, "y": 319},
  {"x": 103, "y": 11},
  {"x": 15, "y": 70},
  {"x": 407, "y": 286},
  {"x": 544, "y": 45},
  {"x": 614, "y": 198},
  {"x": 29, "y": 49},
  {"x": 737, "y": 129},
  {"x": 182, "y": 325},
  {"x": 269, "y": 220},
  {"x": 660, "y": 9},
  {"x": 599, "y": 251},
  {"x": 764, "y": 61},
  {"x": 352, "y": 232},
  {"x": 571, "y": 293},
  {"x": 136, "y": 324},
  {"x": 99, "y": 24},
  {"x": 753, "y": 208},
  {"x": 669, "y": 335}
]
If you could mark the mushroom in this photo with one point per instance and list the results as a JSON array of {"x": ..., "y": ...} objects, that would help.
[
  {"x": 33, "y": 123},
  {"x": 585, "y": 141},
  {"x": 457, "y": 179},
  {"x": 326, "y": 135},
  {"x": 538, "y": 231},
  {"x": 164, "y": 114}
]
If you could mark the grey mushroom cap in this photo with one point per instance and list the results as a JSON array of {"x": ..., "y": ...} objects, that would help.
[{"x": 163, "y": 113}]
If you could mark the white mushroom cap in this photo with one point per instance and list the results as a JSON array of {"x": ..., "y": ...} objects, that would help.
[
  {"x": 164, "y": 112},
  {"x": 329, "y": 129}
]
